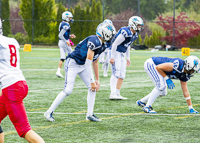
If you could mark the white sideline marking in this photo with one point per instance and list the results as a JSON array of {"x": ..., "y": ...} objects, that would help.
[
  {"x": 83, "y": 86},
  {"x": 63, "y": 70},
  {"x": 121, "y": 114}
]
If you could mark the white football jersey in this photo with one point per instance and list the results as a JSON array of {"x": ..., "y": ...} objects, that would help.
[{"x": 10, "y": 71}]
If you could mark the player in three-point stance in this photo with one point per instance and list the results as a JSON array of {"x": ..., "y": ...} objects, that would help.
[
  {"x": 161, "y": 70},
  {"x": 64, "y": 35},
  {"x": 120, "y": 45},
  {"x": 79, "y": 62},
  {"x": 14, "y": 90}
]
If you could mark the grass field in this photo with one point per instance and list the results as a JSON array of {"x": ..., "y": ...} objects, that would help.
[{"x": 122, "y": 120}]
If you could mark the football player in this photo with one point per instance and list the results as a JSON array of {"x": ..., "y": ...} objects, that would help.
[
  {"x": 64, "y": 35},
  {"x": 161, "y": 70},
  {"x": 79, "y": 62},
  {"x": 14, "y": 90},
  {"x": 106, "y": 54},
  {"x": 121, "y": 46}
]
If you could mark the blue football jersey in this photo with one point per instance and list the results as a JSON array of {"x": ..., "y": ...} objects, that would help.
[
  {"x": 129, "y": 39},
  {"x": 80, "y": 52},
  {"x": 178, "y": 67},
  {"x": 101, "y": 50},
  {"x": 65, "y": 26}
]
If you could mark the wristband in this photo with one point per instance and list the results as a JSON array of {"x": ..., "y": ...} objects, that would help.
[{"x": 166, "y": 77}]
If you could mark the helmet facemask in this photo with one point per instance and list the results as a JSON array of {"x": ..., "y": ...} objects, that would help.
[
  {"x": 134, "y": 22},
  {"x": 191, "y": 65}
]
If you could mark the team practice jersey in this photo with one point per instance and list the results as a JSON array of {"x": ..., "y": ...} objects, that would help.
[
  {"x": 9, "y": 62},
  {"x": 178, "y": 67},
  {"x": 129, "y": 38},
  {"x": 65, "y": 26},
  {"x": 80, "y": 53}
]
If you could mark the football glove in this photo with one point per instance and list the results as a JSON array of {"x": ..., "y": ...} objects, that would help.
[
  {"x": 170, "y": 83},
  {"x": 193, "y": 111}
]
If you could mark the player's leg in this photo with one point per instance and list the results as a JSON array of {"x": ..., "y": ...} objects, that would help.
[
  {"x": 3, "y": 114},
  {"x": 106, "y": 64},
  {"x": 101, "y": 58},
  {"x": 1, "y": 135},
  {"x": 71, "y": 70},
  {"x": 160, "y": 86},
  {"x": 33, "y": 137},
  {"x": 15, "y": 108},
  {"x": 121, "y": 77},
  {"x": 63, "y": 52},
  {"x": 90, "y": 98}
]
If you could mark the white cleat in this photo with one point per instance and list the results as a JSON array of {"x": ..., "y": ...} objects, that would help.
[
  {"x": 149, "y": 109},
  {"x": 105, "y": 74},
  {"x": 121, "y": 97},
  {"x": 49, "y": 116},
  {"x": 118, "y": 97},
  {"x": 58, "y": 74},
  {"x": 93, "y": 118}
]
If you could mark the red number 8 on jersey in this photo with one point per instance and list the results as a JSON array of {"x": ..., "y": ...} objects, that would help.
[{"x": 13, "y": 55}]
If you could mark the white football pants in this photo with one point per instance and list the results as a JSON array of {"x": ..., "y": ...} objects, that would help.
[
  {"x": 64, "y": 49},
  {"x": 119, "y": 67}
]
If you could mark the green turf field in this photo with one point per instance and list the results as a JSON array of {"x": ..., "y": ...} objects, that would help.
[{"x": 122, "y": 120}]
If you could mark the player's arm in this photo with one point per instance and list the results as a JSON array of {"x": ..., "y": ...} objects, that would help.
[
  {"x": 90, "y": 55},
  {"x": 120, "y": 38},
  {"x": 61, "y": 35},
  {"x": 166, "y": 67},
  {"x": 186, "y": 94},
  {"x": 128, "y": 56},
  {"x": 96, "y": 72}
]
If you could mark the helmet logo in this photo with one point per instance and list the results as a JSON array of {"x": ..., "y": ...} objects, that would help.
[{"x": 135, "y": 19}]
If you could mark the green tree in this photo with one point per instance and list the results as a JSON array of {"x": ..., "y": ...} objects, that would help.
[
  {"x": 60, "y": 10},
  {"x": 86, "y": 24},
  {"x": 146, "y": 39},
  {"x": 93, "y": 16},
  {"x": 6, "y": 15},
  {"x": 43, "y": 13}
]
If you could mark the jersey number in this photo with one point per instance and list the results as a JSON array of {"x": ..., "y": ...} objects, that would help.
[{"x": 13, "y": 55}]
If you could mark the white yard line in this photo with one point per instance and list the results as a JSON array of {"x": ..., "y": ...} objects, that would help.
[
  {"x": 84, "y": 86},
  {"x": 121, "y": 114}
]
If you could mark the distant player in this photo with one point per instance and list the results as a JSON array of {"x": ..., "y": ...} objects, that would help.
[
  {"x": 79, "y": 62},
  {"x": 106, "y": 54},
  {"x": 121, "y": 46},
  {"x": 161, "y": 70},
  {"x": 64, "y": 35},
  {"x": 14, "y": 90}
]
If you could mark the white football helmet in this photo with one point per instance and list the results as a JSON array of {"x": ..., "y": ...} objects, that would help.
[
  {"x": 108, "y": 21},
  {"x": 105, "y": 30},
  {"x": 192, "y": 65},
  {"x": 1, "y": 31},
  {"x": 134, "y": 21},
  {"x": 66, "y": 15}
]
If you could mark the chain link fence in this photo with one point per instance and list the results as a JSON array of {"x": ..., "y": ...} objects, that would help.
[{"x": 165, "y": 21}]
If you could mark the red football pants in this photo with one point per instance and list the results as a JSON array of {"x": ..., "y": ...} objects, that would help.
[{"x": 11, "y": 104}]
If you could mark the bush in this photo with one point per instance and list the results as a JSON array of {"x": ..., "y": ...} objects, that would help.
[
  {"x": 21, "y": 38},
  {"x": 44, "y": 40}
]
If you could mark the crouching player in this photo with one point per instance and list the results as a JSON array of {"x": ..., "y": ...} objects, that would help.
[
  {"x": 14, "y": 90},
  {"x": 79, "y": 62},
  {"x": 161, "y": 70}
]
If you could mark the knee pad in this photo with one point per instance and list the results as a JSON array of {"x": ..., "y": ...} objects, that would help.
[
  {"x": 67, "y": 91},
  {"x": 62, "y": 60}
]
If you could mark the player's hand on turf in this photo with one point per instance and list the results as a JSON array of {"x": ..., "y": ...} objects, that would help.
[
  {"x": 93, "y": 87},
  {"x": 72, "y": 36},
  {"x": 112, "y": 61},
  {"x": 128, "y": 63},
  {"x": 192, "y": 110},
  {"x": 97, "y": 84},
  {"x": 170, "y": 83}
]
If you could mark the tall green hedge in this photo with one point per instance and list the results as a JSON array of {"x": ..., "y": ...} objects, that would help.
[{"x": 6, "y": 15}]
